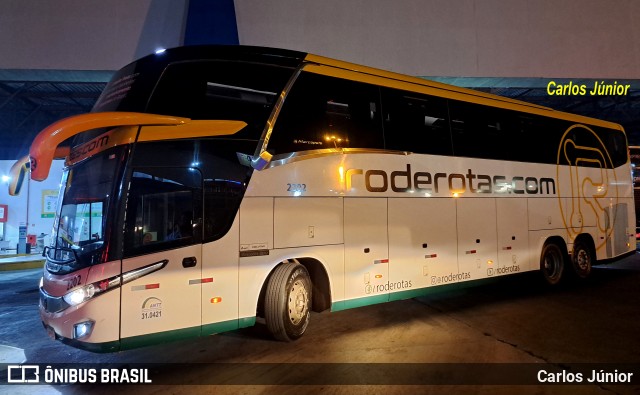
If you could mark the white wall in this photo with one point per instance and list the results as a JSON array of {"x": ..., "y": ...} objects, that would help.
[
  {"x": 473, "y": 38},
  {"x": 86, "y": 34},
  {"x": 26, "y": 209}
]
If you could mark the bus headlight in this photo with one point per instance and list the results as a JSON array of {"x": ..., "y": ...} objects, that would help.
[{"x": 80, "y": 295}]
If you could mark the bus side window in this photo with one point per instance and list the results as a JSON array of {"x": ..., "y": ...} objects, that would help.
[
  {"x": 415, "y": 123},
  {"x": 163, "y": 209},
  {"x": 483, "y": 131},
  {"x": 222, "y": 198},
  {"x": 616, "y": 145},
  {"x": 323, "y": 112}
]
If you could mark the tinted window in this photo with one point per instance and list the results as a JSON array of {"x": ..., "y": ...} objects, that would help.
[
  {"x": 483, "y": 132},
  {"x": 164, "y": 209},
  {"x": 224, "y": 178},
  {"x": 220, "y": 90},
  {"x": 415, "y": 123},
  {"x": 616, "y": 144},
  {"x": 81, "y": 228},
  {"x": 530, "y": 138},
  {"x": 324, "y": 112},
  {"x": 597, "y": 147},
  {"x": 533, "y": 139}
]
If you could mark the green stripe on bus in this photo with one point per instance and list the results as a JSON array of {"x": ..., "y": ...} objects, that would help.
[
  {"x": 127, "y": 343},
  {"x": 409, "y": 294},
  {"x": 184, "y": 333},
  {"x": 226, "y": 326},
  {"x": 414, "y": 293},
  {"x": 247, "y": 322},
  {"x": 353, "y": 303}
]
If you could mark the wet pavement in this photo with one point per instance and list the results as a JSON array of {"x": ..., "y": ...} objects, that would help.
[{"x": 509, "y": 326}]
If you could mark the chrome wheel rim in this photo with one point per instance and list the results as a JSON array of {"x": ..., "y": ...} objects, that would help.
[{"x": 298, "y": 302}]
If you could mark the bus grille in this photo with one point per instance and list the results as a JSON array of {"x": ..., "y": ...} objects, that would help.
[{"x": 51, "y": 304}]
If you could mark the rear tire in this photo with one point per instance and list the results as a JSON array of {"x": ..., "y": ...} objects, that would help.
[
  {"x": 552, "y": 263},
  {"x": 287, "y": 305},
  {"x": 582, "y": 259}
]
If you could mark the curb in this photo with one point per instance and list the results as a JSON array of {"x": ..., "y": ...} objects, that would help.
[{"x": 21, "y": 263}]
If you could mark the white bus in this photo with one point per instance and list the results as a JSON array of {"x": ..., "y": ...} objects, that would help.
[
  {"x": 214, "y": 186},
  {"x": 634, "y": 156}
]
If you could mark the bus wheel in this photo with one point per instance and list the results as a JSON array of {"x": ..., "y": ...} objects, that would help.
[
  {"x": 288, "y": 301},
  {"x": 582, "y": 259},
  {"x": 552, "y": 263}
]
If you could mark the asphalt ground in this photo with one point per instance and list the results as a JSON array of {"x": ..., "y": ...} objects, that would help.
[{"x": 488, "y": 339}]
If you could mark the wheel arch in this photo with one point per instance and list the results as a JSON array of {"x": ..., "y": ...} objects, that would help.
[
  {"x": 320, "y": 282},
  {"x": 321, "y": 287}
]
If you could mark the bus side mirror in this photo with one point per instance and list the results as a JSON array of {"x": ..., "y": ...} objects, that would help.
[
  {"x": 262, "y": 161},
  {"x": 18, "y": 171}
]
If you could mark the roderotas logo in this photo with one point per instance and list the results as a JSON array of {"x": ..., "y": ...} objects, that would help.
[
  {"x": 400, "y": 181},
  {"x": 590, "y": 192}
]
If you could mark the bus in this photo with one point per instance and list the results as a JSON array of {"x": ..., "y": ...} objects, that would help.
[
  {"x": 213, "y": 187},
  {"x": 634, "y": 156}
]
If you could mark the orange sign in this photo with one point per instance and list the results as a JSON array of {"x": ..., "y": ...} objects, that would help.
[{"x": 4, "y": 211}]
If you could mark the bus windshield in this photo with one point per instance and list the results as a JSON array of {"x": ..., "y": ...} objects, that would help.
[{"x": 79, "y": 227}]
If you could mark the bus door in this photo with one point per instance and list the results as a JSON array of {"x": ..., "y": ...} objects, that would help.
[
  {"x": 366, "y": 251},
  {"x": 162, "y": 265}
]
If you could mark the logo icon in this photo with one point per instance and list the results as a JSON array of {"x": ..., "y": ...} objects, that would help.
[
  {"x": 23, "y": 374},
  {"x": 588, "y": 177}
]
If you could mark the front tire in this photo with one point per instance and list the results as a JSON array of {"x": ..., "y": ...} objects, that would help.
[
  {"x": 288, "y": 301},
  {"x": 552, "y": 263},
  {"x": 582, "y": 259}
]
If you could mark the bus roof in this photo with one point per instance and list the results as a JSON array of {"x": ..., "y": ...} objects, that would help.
[
  {"x": 156, "y": 63},
  {"x": 274, "y": 56}
]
